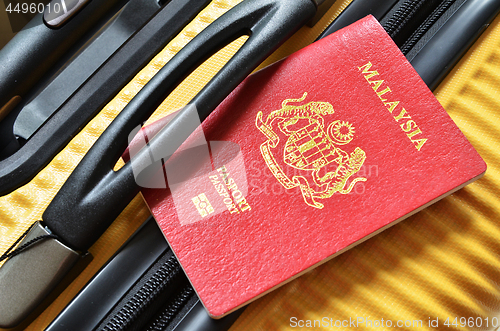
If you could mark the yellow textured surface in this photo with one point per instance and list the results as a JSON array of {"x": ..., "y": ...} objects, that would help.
[{"x": 443, "y": 262}]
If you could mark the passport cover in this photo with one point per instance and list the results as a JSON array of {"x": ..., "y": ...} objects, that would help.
[{"x": 304, "y": 160}]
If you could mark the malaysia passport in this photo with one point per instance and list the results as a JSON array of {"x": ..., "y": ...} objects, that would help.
[{"x": 304, "y": 160}]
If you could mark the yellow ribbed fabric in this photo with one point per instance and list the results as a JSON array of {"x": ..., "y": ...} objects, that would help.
[{"x": 442, "y": 263}]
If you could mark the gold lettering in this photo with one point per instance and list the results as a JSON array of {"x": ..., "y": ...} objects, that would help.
[
  {"x": 246, "y": 207},
  {"x": 225, "y": 173},
  {"x": 403, "y": 114},
  {"x": 232, "y": 209},
  {"x": 381, "y": 93},
  {"x": 238, "y": 195},
  {"x": 419, "y": 143},
  {"x": 376, "y": 84},
  {"x": 391, "y": 105},
  {"x": 231, "y": 185},
  {"x": 220, "y": 188},
  {"x": 414, "y": 133},
  {"x": 243, "y": 202},
  {"x": 368, "y": 74},
  {"x": 408, "y": 126}
]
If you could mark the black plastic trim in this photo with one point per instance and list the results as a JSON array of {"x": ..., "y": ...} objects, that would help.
[
  {"x": 447, "y": 46},
  {"x": 99, "y": 89}
]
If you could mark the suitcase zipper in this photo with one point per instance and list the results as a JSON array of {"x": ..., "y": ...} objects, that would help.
[
  {"x": 409, "y": 20},
  {"x": 170, "y": 311},
  {"x": 424, "y": 27},
  {"x": 162, "y": 277},
  {"x": 402, "y": 16}
]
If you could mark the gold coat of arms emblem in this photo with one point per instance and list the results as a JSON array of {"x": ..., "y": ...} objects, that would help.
[{"x": 302, "y": 140}]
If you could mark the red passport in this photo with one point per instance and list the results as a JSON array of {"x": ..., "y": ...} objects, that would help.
[{"x": 304, "y": 160}]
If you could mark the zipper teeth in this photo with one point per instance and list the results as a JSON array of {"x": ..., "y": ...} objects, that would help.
[
  {"x": 148, "y": 292},
  {"x": 428, "y": 23},
  {"x": 401, "y": 16},
  {"x": 172, "y": 309}
]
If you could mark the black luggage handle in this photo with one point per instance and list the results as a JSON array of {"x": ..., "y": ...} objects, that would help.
[{"x": 94, "y": 195}]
